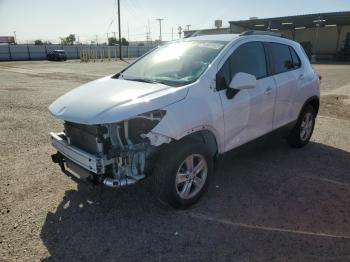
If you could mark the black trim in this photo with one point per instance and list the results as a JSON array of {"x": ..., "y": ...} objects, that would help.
[
  {"x": 291, "y": 49},
  {"x": 269, "y": 59},
  {"x": 257, "y": 32}
]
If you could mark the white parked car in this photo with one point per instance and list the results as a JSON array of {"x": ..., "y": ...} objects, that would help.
[{"x": 174, "y": 111}]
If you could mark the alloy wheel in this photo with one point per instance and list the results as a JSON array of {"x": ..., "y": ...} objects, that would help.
[{"x": 191, "y": 176}]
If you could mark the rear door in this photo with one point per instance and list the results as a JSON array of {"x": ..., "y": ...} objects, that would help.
[
  {"x": 286, "y": 82},
  {"x": 249, "y": 114}
]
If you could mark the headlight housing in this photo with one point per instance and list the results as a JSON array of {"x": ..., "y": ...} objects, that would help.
[{"x": 143, "y": 124}]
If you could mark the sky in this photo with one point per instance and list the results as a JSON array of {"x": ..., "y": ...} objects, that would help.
[{"x": 93, "y": 19}]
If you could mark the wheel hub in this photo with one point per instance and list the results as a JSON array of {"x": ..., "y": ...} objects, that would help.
[
  {"x": 191, "y": 176},
  {"x": 306, "y": 126}
]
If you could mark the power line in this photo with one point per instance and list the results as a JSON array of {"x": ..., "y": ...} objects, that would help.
[{"x": 113, "y": 16}]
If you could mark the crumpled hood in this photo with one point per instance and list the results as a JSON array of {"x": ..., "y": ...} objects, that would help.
[{"x": 109, "y": 100}]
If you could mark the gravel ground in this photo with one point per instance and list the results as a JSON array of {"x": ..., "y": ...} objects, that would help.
[{"x": 267, "y": 202}]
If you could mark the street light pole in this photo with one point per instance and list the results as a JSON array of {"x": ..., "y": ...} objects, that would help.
[
  {"x": 318, "y": 25},
  {"x": 120, "y": 33},
  {"x": 160, "y": 28}
]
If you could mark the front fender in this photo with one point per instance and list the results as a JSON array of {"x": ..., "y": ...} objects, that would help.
[{"x": 200, "y": 110}]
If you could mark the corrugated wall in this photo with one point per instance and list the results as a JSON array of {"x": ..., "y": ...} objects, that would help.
[{"x": 39, "y": 52}]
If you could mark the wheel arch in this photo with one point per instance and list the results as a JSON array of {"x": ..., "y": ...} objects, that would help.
[
  {"x": 206, "y": 137},
  {"x": 314, "y": 101},
  {"x": 203, "y": 136}
]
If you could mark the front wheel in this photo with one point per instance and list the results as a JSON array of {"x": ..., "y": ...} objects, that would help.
[
  {"x": 303, "y": 130},
  {"x": 182, "y": 173}
]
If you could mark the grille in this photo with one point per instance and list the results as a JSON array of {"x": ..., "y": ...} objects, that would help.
[{"x": 82, "y": 136}]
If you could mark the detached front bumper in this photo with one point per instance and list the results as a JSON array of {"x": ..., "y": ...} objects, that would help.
[
  {"x": 85, "y": 165},
  {"x": 85, "y": 160}
]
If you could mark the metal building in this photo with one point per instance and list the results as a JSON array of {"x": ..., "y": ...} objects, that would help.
[{"x": 327, "y": 34}]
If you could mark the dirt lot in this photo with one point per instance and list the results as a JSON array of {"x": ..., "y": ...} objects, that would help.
[{"x": 267, "y": 202}]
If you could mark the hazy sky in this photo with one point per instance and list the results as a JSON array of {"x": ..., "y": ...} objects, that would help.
[{"x": 48, "y": 19}]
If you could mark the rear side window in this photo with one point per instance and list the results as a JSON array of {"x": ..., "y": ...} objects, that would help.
[
  {"x": 295, "y": 58},
  {"x": 248, "y": 58},
  {"x": 281, "y": 57}
]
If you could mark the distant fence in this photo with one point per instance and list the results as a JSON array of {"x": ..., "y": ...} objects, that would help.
[{"x": 39, "y": 52}]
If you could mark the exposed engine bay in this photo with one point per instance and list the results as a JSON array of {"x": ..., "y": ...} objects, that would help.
[{"x": 116, "y": 155}]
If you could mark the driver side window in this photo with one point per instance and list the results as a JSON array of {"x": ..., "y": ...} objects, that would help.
[{"x": 248, "y": 58}]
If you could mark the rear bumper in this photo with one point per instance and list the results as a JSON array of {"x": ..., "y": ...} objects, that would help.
[{"x": 89, "y": 162}]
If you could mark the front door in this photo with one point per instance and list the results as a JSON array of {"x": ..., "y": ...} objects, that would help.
[{"x": 249, "y": 114}]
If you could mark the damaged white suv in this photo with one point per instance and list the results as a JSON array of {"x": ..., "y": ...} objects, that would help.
[{"x": 172, "y": 112}]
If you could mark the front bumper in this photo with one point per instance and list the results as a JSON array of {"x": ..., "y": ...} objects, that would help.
[
  {"x": 87, "y": 161},
  {"x": 96, "y": 168}
]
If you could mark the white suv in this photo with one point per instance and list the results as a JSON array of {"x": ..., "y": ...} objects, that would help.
[{"x": 175, "y": 110}]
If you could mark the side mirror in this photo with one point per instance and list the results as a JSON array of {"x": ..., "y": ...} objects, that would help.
[{"x": 243, "y": 81}]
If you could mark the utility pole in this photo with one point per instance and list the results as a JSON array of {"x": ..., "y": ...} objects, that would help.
[
  {"x": 96, "y": 39},
  {"x": 149, "y": 32},
  {"x": 147, "y": 36},
  {"x": 107, "y": 38},
  {"x": 128, "y": 33},
  {"x": 160, "y": 28},
  {"x": 14, "y": 33},
  {"x": 120, "y": 33}
]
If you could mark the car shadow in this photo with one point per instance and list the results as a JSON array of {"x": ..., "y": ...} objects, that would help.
[{"x": 266, "y": 202}]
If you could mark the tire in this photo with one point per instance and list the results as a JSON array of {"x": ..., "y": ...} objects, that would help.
[
  {"x": 303, "y": 129},
  {"x": 172, "y": 184}
]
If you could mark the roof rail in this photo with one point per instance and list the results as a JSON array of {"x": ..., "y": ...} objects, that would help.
[{"x": 253, "y": 32}]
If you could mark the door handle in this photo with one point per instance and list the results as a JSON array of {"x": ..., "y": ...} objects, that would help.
[
  {"x": 268, "y": 91},
  {"x": 301, "y": 77}
]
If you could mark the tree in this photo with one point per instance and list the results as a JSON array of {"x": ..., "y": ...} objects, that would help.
[
  {"x": 38, "y": 42},
  {"x": 69, "y": 40},
  {"x": 125, "y": 42},
  {"x": 112, "y": 41}
]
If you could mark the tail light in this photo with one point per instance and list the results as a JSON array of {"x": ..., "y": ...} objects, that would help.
[{"x": 319, "y": 77}]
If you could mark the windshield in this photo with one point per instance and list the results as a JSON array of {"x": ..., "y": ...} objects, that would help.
[{"x": 175, "y": 64}]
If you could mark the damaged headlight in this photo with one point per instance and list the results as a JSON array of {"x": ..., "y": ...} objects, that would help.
[
  {"x": 154, "y": 115},
  {"x": 133, "y": 130},
  {"x": 143, "y": 124}
]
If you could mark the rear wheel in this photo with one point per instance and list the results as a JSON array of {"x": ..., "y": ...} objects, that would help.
[
  {"x": 303, "y": 130},
  {"x": 182, "y": 173}
]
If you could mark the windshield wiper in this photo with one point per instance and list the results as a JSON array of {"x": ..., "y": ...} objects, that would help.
[{"x": 144, "y": 80}]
